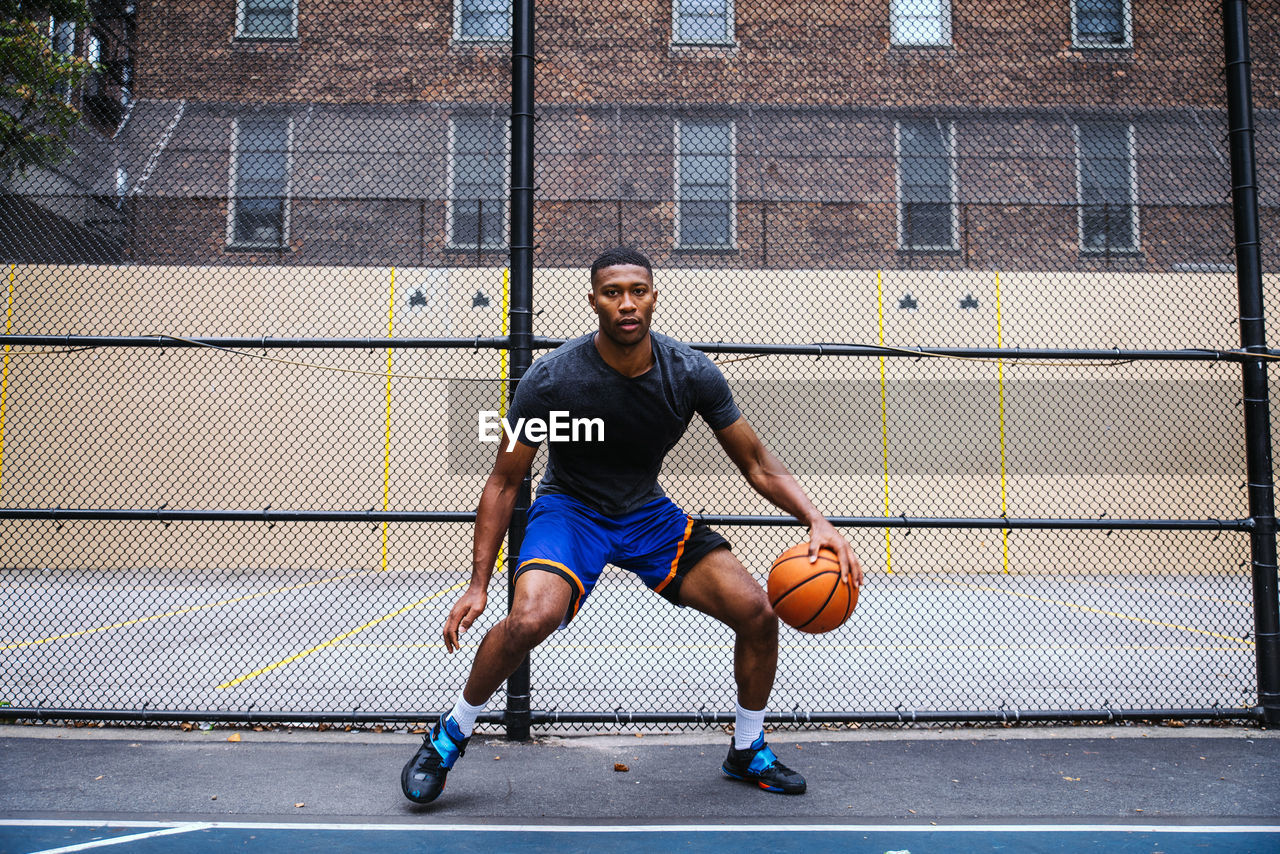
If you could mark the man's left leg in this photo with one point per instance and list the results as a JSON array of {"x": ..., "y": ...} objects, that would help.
[{"x": 720, "y": 586}]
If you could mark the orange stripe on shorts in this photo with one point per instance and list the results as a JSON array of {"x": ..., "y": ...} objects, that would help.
[{"x": 675, "y": 563}]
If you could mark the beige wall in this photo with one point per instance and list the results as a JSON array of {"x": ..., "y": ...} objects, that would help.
[{"x": 203, "y": 429}]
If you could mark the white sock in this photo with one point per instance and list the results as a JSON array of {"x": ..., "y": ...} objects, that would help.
[
  {"x": 464, "y": 714},
  {"x": 747, "y": 726}
]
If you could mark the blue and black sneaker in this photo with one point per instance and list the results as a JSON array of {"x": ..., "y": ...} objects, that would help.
[
  {"x": 423, "y": 776},
  {"x": 758, "y": 765}
]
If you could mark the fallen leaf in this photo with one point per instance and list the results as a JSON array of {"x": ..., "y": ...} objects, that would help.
[
  {"x": 213, "y": 797},
  {"x": 299, "y": 804},
  {"x": 913, "y": 812},
  {"x": 99, "y": 777},
  {"x": 496, "y": 758},
  {"x": 259, "y": 729},
  {"x": 799, "y": 747},
  {"x": 618, "y": 766},
  {"x": 235, "y": 736},
  {"x": 1072, "y": 779},
  {"x": 186, "y": 727}
]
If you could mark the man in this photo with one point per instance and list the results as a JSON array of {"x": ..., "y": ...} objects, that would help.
[{"x": 599, "y": 502}]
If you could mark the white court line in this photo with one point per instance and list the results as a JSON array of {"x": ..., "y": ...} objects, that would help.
[
  {"x": 167, "y": 830},
  {"x": 636, "y": 828}
]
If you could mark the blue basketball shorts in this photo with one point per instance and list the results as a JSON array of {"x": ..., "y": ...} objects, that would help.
[{"x": 658, "y": 542}]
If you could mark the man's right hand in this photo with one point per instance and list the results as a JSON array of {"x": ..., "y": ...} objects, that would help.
[{"x": 469, "y": 606}]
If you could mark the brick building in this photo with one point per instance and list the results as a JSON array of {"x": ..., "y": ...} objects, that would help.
[{"x": 1081, "y": 134}]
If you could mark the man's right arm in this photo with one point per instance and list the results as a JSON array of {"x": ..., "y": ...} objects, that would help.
[{"x": 493, "y": 516}]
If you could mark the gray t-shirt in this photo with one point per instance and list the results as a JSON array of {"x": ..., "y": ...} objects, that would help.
[{"x": 642, "y": 418}]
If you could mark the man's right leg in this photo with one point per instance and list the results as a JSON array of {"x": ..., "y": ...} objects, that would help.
[{"x": 540, "y": 603}]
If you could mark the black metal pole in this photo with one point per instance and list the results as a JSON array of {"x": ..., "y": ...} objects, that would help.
[
  {"x": 518, "y": 713},
  {"x": 1244, "y": 195}
]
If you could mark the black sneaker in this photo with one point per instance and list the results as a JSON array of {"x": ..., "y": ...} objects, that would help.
[
  {"x": 757, "y": 764},
  {"x": 423, "y": 776}
]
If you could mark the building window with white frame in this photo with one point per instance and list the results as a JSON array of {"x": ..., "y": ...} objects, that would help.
[
  {"x": 259, "y": 209},
  {"x": 702, "y": 22},
  {"x": 478, "y": 182},
  {"x": 1101, "y": 23},
  {"x": 920, "y": 23},
  {"x": 1106, "y": 187},
  {"x": 62, "y": 39},
  {"x": 926, "y": 185},
  {"x": 267, "y": 19},
  {"x": 705, "y": 184},
  {"x": 482, "y": 20}
]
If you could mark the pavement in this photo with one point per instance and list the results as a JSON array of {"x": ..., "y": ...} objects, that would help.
[{"x": 880, "y": 776}]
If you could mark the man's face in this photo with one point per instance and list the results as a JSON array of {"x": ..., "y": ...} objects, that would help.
[{"x": 623, "y": 298}]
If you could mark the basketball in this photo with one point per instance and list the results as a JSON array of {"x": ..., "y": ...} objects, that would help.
[{"x": 810, "y": 596}]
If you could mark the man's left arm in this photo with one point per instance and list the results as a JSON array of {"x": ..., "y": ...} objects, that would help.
[{"x": 769, "y": 477}]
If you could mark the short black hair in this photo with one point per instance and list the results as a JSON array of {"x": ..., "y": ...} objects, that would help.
[{"x": 618, "y": 256}]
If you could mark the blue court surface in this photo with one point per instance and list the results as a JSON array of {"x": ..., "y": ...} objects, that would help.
[{"x": 55, "y": 837}]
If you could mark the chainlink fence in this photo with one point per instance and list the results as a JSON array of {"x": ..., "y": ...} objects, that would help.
[{"x": 968, "y": 267}]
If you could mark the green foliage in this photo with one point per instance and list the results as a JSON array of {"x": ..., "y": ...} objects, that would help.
[{"x": 35, "y": 118}]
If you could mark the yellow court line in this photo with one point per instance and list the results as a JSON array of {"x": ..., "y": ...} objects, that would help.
[
  {"x": 4, "y": 382},
  {"x": 188, "y": 610},
  {"x": 1115, "y": 614},
  {"x": 1178, "y": 594},
  {"x": 334, "y": 640},
  {"x": 884, "y": 427},
  {"x": 1004, "y": 491},
  {"x": 386, "y": 440}
]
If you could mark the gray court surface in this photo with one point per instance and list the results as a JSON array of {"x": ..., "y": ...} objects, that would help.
[
  {"x": 335, "y": 640},
  {"x": 1149, "y": 789}
]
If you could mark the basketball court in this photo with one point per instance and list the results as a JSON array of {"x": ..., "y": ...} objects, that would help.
[
  {"x": 1056, "y": 790},
  {"x": 202, "y": 837}
]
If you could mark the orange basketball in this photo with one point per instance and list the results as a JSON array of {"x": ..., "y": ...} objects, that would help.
[{"x": 810, "y": 596}]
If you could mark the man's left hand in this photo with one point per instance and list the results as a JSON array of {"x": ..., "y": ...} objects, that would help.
[{"x": 823, "y": 535}]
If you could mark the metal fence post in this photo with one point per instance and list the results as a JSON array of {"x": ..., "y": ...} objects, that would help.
[
  {"x": 1244, "y": 194},
  {"x": 520, "y": 341}
]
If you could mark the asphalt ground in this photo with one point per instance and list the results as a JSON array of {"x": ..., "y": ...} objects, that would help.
[{"x": 1144, "y": 788}]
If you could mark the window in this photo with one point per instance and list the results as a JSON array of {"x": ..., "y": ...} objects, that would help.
[
  {"x": 1106, "y": 187},
  {"x": 267, "y": 19},
  {"x": 926, "y": 185},
  {"x": 705, "y": 214},
  {"x": 62, "y": 39},
  {"x": 1100, "y": 23},
  {"x": 702, "y": 22},
  {"x": 95, "y": 83},
  {"x": 478, "y": 182},
  {"x": 920, "y": 22},
  {"x": 259, "y": 209},
  {"x": 482, "y": 20}
]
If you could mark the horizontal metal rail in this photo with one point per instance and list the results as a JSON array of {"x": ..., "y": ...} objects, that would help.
[
  {"x": 702, "y": 717},
  {"x": 259, "y": 343},
  {"x": 164, "y": 514},
  {"x": 542, "y": 343}
]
